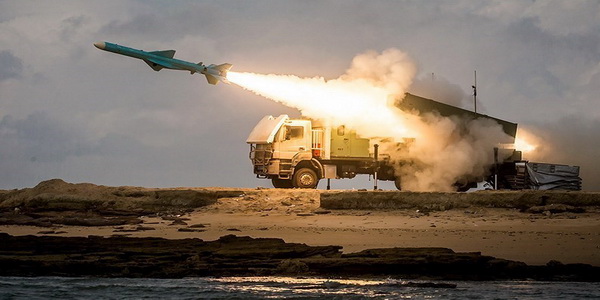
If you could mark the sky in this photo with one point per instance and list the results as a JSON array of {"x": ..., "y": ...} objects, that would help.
[{"x": 71, "y": 111}]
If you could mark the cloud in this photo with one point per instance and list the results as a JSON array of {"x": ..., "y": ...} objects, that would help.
[
  {"x": 553, "y": 16},
  {"x": 71, "y": 25},
  {"x": 29, "y": 144},
  {"x": 10, "y": 66},
  {"x": 39, "y": 137}
]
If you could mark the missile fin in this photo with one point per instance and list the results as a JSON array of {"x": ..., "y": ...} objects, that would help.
[
  {"x": 159, "y": 62},
  {"x": 212, "y": 79},
  {"x": 154, "y": 66},
  {"x": 225, "y": 67},
  {"x": 216, "y": 73},
  {"x": 164, "y": 53},
  {"x": 222, "y": 69}
]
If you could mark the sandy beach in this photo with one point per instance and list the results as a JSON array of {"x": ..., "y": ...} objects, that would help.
[{"x": 296, "y": 216}]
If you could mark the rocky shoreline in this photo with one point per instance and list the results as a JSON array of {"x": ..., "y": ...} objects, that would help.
[
  {"x": 244, "y": 256},
  {"x": 64, "y": 229}
]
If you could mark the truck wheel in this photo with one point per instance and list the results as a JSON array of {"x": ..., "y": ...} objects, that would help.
[
  {"x": 282, "y": 183},
  {"x": 398, "y": 183},
  {"x": 305, "y": 178}
]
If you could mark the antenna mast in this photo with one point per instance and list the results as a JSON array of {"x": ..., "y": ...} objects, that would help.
[{"x": 475, "y": 92}]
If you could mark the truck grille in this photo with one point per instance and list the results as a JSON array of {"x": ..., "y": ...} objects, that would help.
[{"x": 260, "y": 155}]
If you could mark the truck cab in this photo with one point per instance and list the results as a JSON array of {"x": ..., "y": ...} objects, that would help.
[{"x": 279, "y": 146}]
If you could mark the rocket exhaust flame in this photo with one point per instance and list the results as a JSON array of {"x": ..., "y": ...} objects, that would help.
[
  {"x": 523, "y": 145},
  {"x": 527, "y": 143}
]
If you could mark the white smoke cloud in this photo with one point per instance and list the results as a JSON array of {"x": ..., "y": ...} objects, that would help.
[
  {"x": 392, "y": 70},
  {"x": 447, "y": 151}
]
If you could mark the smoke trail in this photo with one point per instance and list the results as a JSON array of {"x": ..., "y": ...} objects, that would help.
[
  {"x": 358, "y": 99},
  {"x": 442, "y": 150}
]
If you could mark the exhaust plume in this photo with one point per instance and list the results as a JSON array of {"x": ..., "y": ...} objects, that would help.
[
  {"x": 355, "y": 99},
  {"x": 440, "y": 151}
]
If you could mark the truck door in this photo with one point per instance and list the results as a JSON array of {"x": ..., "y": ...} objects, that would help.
[{"x": 291, "y": 140}]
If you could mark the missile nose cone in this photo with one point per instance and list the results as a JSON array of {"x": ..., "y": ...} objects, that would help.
[{"x": 100, "y": 45}]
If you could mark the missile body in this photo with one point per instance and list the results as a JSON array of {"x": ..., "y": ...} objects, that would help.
[{"x": 158, "y": 60}]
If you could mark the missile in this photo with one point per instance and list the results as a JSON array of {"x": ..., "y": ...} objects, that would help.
[{"x": 158, "y": 60}]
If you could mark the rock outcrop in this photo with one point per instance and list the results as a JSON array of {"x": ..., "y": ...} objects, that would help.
[
  {"x": 244, "y": 256},
  {"x": 57, "y": 195},
  {"x": 439, "y": 201},
  {"x": 55, "y": 202}
]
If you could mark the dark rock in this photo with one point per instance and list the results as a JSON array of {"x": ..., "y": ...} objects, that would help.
[
  {"x": 329, "y": 284},
  {"x": 47, "y": 219},
  {"x": 19, "y": 219},
  {"x": 305, "y": 214},
  {"x": 51, "y": 232},
  {"x": 291, "y": 267},
  {"x": 174, "y": 218},
  {"x": 230, "y": 255},
  {"x": 121, "y": 234},
  {"x": 144, "y": 228},
  {"x": 190, "y": 230},
  {"x": 198, "y": 226},
  {"x": 126, "y": 230},
  {"x": 178, "y": 222},
  {"x": 147, "y": 257}
]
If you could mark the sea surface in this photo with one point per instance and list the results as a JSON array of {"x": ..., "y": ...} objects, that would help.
[{"x": 32, "y": 288}]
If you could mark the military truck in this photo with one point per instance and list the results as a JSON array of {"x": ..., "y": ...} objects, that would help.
[{"x": 297, "y": 153}]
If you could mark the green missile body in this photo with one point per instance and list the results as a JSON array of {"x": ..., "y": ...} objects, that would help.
[{"x": 158, "y": 60}]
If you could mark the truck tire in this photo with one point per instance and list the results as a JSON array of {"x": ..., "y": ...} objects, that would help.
[
  {"x": 282, "y": 183},
  {"x": 305, "y": 178},
  {"x": 398, "y": 183}
]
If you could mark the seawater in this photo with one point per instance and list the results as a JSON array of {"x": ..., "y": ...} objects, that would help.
[{"x": 32, "y": 288}]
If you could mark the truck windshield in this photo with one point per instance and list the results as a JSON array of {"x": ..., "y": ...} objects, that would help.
[{"x": 294, "y": 132}]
